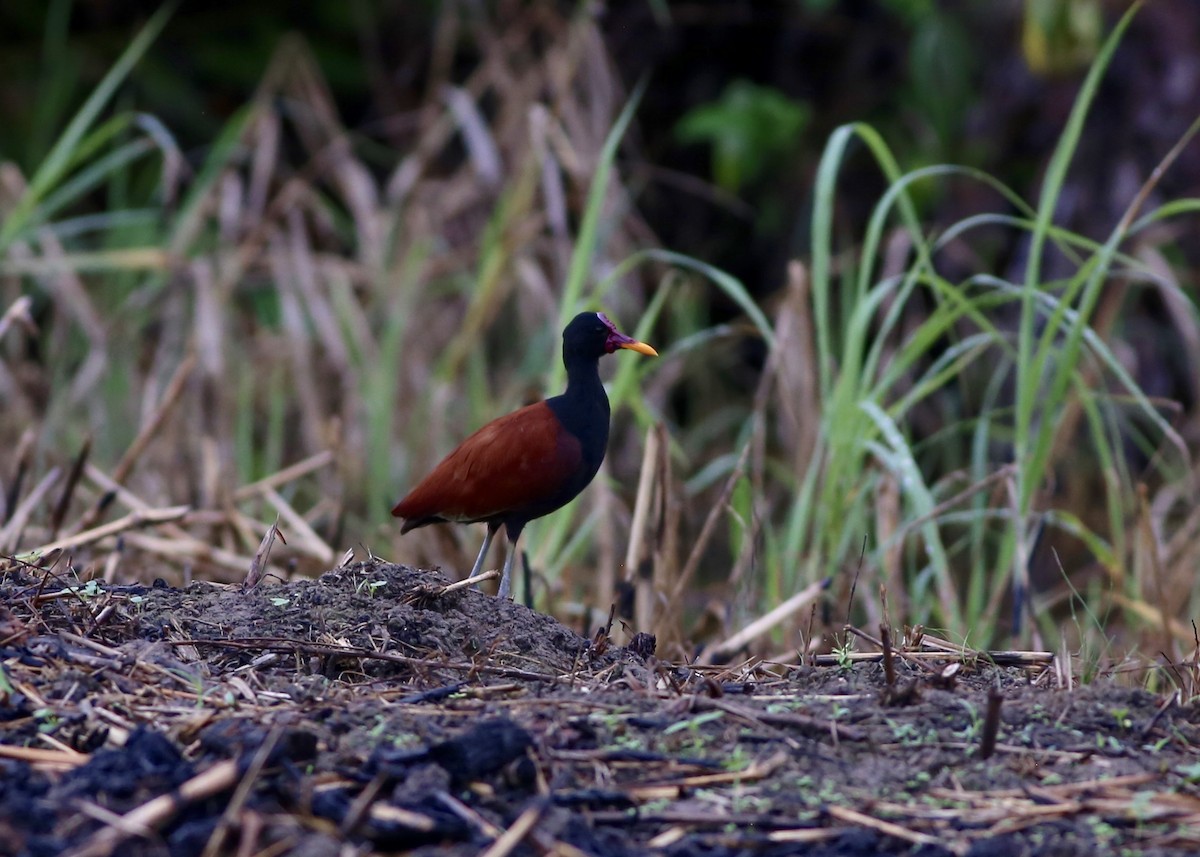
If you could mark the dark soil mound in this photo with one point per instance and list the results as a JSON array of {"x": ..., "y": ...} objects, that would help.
[{"x": 377, "y": 708}]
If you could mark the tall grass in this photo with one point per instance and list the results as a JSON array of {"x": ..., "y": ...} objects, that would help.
[{"x": 889, "y": 344}]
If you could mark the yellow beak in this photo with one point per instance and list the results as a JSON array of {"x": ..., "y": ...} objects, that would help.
[{"x": 640, "y": 347}]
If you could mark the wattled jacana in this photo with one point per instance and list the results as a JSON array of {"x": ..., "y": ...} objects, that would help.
[{"x": 534, "y": 460}]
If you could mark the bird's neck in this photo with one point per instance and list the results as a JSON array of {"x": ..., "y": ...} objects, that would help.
[
  {"x": 583, "y": 409},
  {"x": 584, "y": 390}
]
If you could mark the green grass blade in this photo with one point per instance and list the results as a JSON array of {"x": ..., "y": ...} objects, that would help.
[
  {"x": 64, "y": 152},
  {"x": 586, "y": 243},
  {"x": 1031, "y": 365}
]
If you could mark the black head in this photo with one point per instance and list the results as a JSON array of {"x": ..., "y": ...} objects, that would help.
[{"x": 590, "y": 336}]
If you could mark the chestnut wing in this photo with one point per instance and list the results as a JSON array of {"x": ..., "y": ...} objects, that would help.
[{"x": 512, "y": 463}]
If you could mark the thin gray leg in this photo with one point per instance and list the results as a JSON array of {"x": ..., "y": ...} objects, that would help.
[
  {"x": 506, "y": 575},
  {"x": 487, "y": 543}
]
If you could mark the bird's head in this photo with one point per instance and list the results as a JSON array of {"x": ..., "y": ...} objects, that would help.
[{"x": 591, "y": 334}]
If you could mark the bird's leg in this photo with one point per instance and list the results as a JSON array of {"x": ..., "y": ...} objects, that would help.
[
  {"x": 506, "y": 575},
  {"x": 487, "y": 543}
]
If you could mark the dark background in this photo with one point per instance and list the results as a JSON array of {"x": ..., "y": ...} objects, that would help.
[{"x": 942, "y": 82}]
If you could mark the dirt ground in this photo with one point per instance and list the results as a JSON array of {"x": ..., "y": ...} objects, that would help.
[{"x": 373, "y": 711}]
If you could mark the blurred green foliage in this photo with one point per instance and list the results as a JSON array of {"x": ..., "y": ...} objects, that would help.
[
  {"x": 752, "y": 130},
  {"x": 1060, "y": 36},
  {"x": 942, "y": 69}
]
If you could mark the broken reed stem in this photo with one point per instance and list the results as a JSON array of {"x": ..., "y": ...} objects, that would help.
[
  {"x": 991, "y": 722},
  {"x": 809, "y": 648},
  {"x": 20, "y": 516},
  {"x": 710, "y": 525},
  {"x": 545, "y": 843},
  {"x": 362, "y": 803},
  {"x": 520, "y": 828},
  {"x": 1004, "y": 472},
  {"x": 259, "y": 562},
  {"x": 133, "y": 519},
  {"x": 889, "y": 662},
  {"x": 24, "y": 452},
  {"x": 244, "y": 531},
  {"x": 887, "y": 828},
  {"x": 282, "y": 477},
  {"x": 242, "y": 792},
  {"x": 766, "y": 622},
  {"x": 64, "y": 499},
  {"x": 179, "y": 542},
  {"x": 666, "y": 545},
  {"x": 832, "y": 660},
  {"x": 1170, "y": 702},
  {"x": 145, "y": 435},
  {"x": 641, "y": 505},
  {"x": 297, "y": 526},
  {"x": 806, "y": 835},
  {"x": 468, "y": 581},
  {"x": 1027, "y": 660},
  {"x": 153, "y": 814},
  {"x": 180, "y": 549},
  {"x": 142, "y": 513},
  {"x": 930, "y": 645},
  {"x": 862, "y": 555},
  {"x": 643, "y": 607},
  {"x": 812, "y": 726},
  {"x": 678, "y": 788},
  {"x": 19, "y": 312},
  {"x": 38, "y": 756}
]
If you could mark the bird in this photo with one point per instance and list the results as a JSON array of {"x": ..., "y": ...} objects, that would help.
[{"x": 531, "y": 462}]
